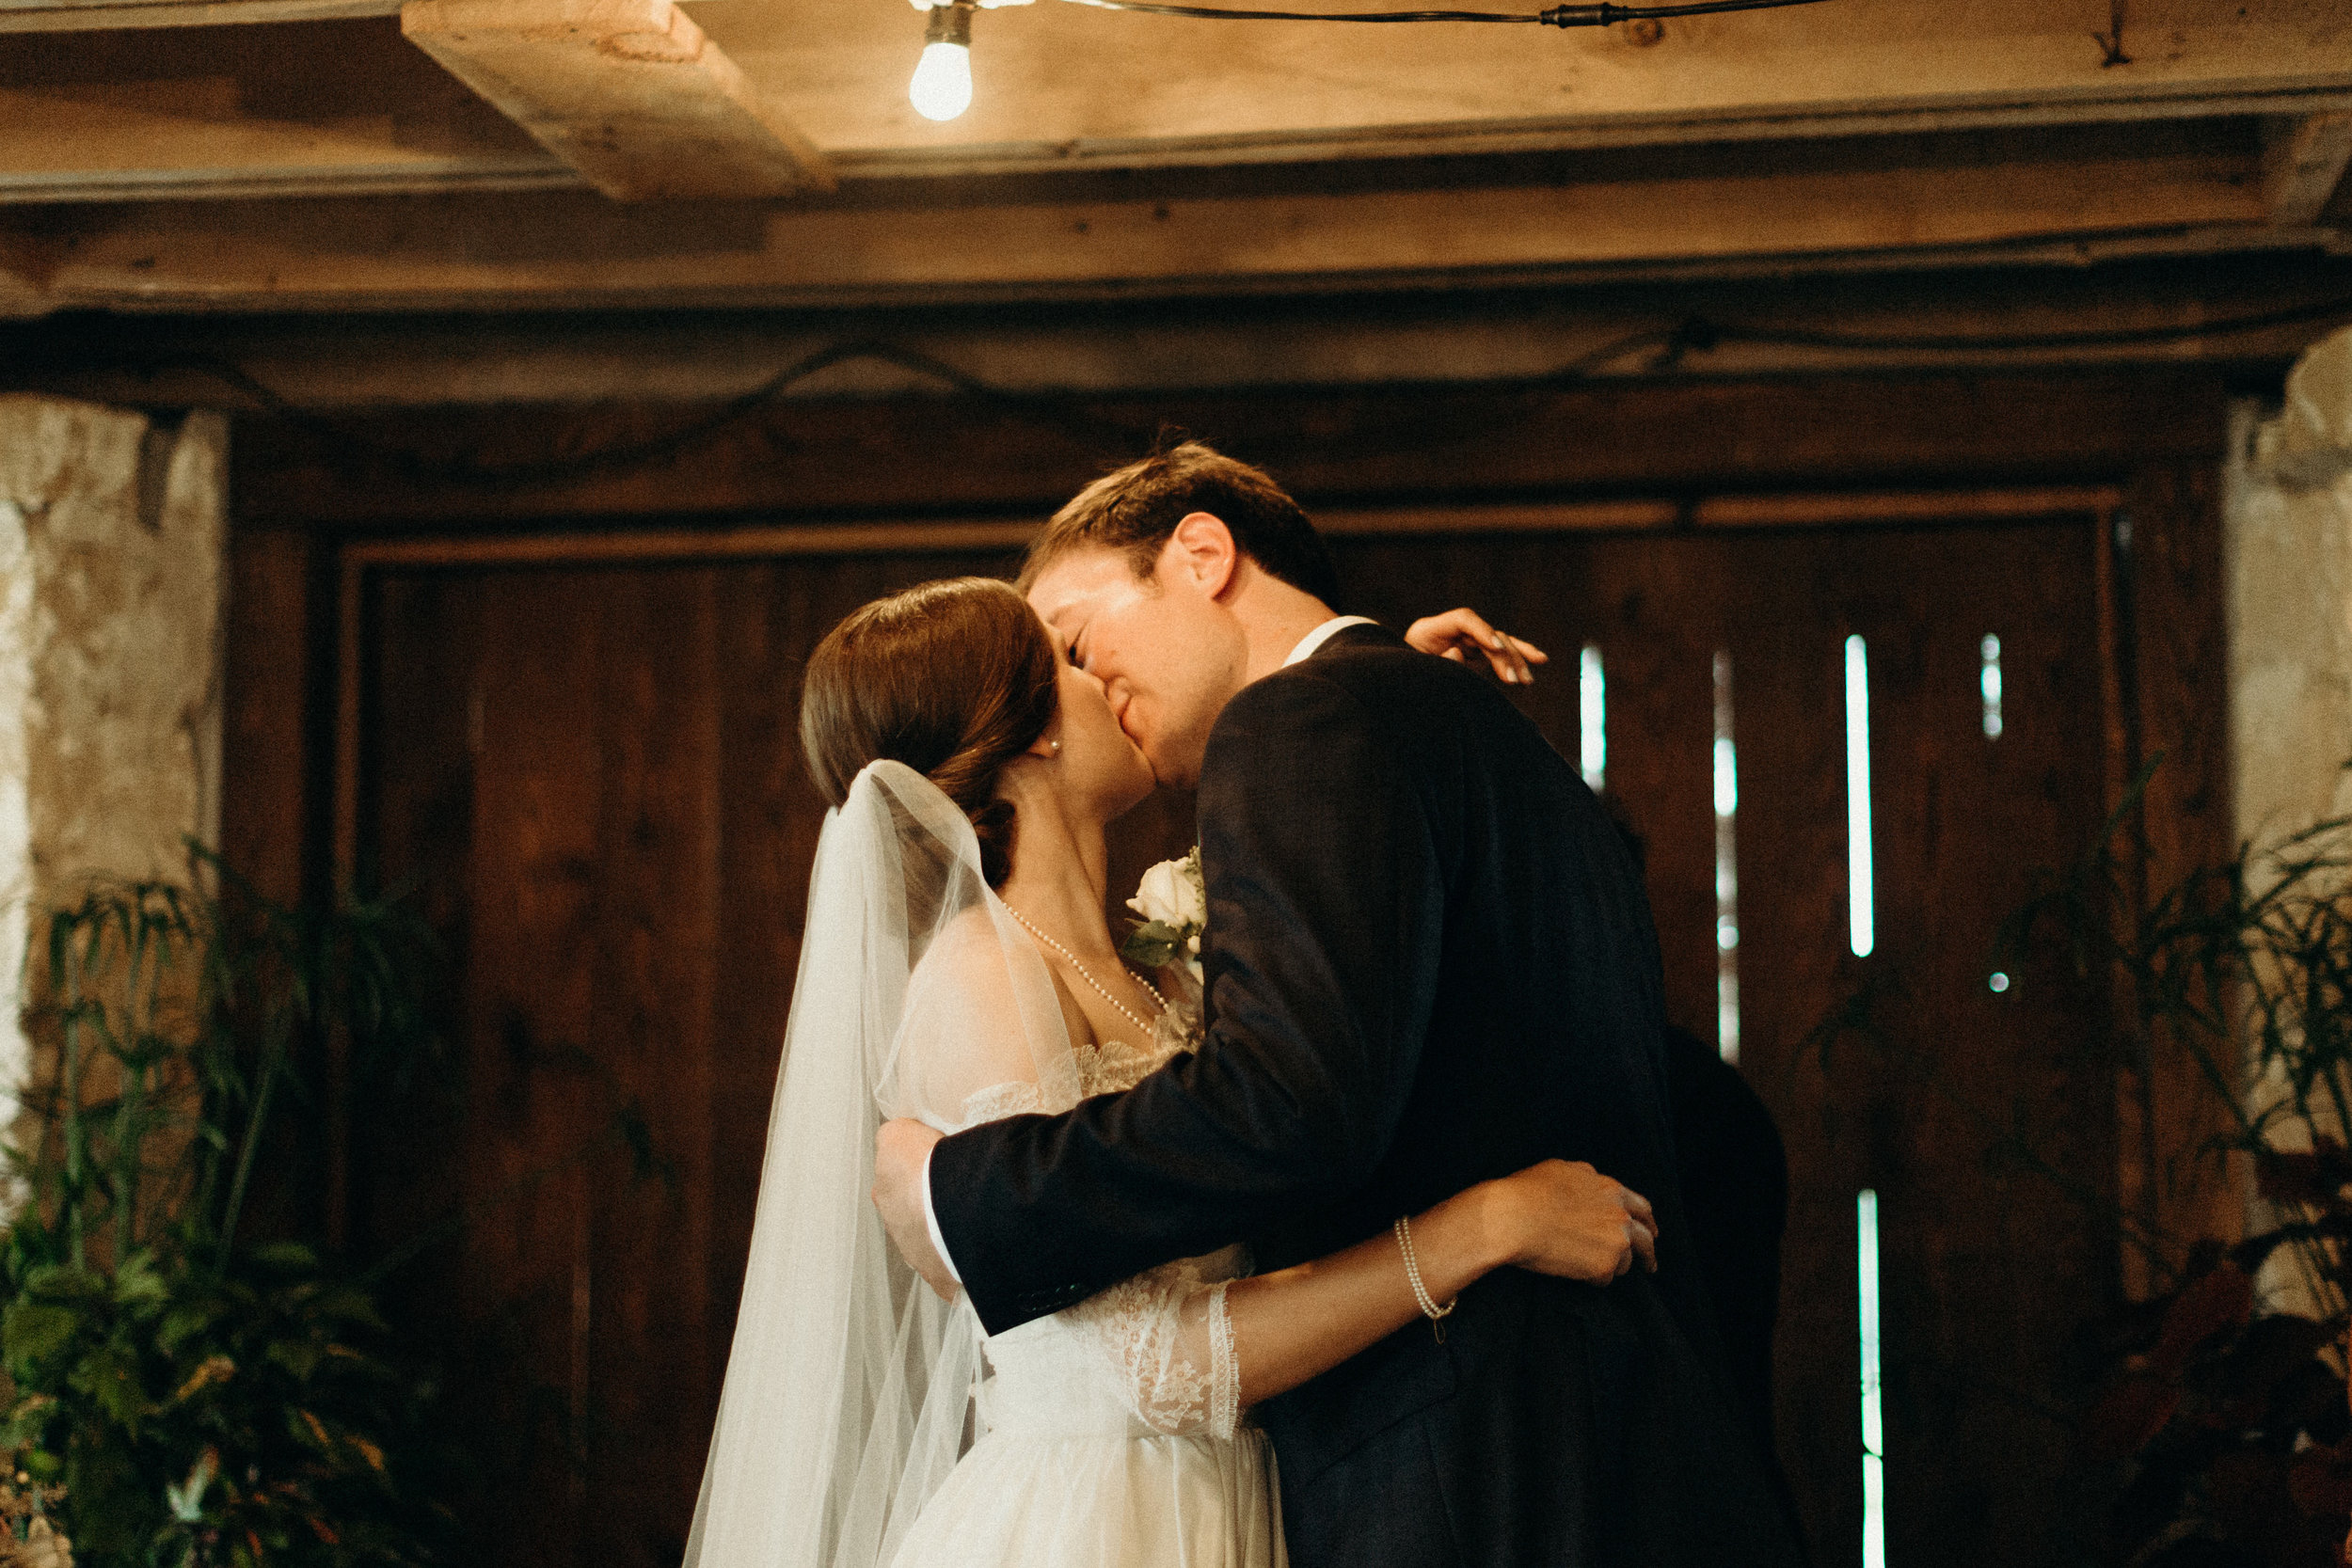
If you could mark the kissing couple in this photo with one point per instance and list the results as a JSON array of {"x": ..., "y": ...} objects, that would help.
[{"x": 1364, "y": 1249}]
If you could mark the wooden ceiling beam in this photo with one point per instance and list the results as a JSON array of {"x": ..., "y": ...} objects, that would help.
[
  {"x": 629, "y": 92},
  {"x": 838, "y": 461},
  {"x": 329, "y": 108},
  {"x": 322, "y": 107},
  {"x": 2302, "y": 167},
  {"x": 100, "y": 16},
  {"x": 566, "y": 249}
]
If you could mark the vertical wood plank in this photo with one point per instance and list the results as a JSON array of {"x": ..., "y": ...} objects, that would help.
[
  {"x": 530, "y": 1014},
  {"x": 2179, "y": 697},
  {"x": 407, "y": 1164},
  {"x": 268, "y": 702},
  {"x": 271, "y": 795},
  {"x": 768, "y": 816},
  {"x": 1784, "y": 633},
  {"x": 650, "y": 1037},
  {"x": 1989, "y": 1265}
]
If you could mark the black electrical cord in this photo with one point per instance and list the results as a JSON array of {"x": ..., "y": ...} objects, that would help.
[
  {"x": 1670, "y": 347},
  {"x": 1215, "y": 14},
  {"x": 1557, "y": 16},
  {"x": 624, "y": 455}
]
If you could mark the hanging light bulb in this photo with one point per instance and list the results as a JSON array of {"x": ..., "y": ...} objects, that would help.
[{"x": 942, "y": 85}]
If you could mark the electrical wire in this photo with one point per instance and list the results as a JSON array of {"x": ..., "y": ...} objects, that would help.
[
  {"x": 1670, "y": 346},
  {"x": 1217, "y": 14},
  {"x": 1698, "y": 335},
  {"x": 1556, "y": 16},
  {"x": 624, "y": 455}
]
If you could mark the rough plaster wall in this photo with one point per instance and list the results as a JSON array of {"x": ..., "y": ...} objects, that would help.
[
  {"x": 111, "y": 537},
  {"x": 2288, "y": 513},
  {"x": 2290, "y": 553}
]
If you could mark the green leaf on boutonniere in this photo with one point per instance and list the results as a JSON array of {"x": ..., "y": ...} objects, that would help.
[{"x": 1153, "y": 944}]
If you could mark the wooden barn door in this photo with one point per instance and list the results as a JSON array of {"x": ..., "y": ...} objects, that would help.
[
  {"x": 593, "y": 774},
  {"x": 1717, "y": 669}
]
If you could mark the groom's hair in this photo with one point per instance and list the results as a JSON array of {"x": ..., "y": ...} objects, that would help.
[{"x": 1134, "y": 509}]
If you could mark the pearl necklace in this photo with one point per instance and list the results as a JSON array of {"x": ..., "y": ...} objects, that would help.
[{"x": 1085, "y": 975}]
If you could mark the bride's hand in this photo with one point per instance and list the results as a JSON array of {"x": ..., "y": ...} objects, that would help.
[
  {"x": 1565, "y": 1218},
  {"x": 1459, "y": 633}
]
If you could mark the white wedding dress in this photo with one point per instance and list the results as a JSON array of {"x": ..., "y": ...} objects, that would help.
[
  {"x": 864, "y": 1423},
  {"x": 1110, "y": 1432}
]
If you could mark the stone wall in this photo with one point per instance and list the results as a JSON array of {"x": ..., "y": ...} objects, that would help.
[
  {"x": 112, "y": 527},
  {"x": 2288, "y": 510},
  {"x": 2290, "y": 555}
]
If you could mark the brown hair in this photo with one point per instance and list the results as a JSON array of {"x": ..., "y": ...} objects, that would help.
[
  {"x": 954, "y": 679},
  {"x": 1136, "y": 508}
]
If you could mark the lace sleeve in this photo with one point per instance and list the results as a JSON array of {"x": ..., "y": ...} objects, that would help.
[{"x": 1169, "y": 1343}]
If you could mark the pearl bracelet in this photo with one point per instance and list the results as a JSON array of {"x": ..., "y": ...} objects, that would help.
[{"x": 1429, "y": 1308}]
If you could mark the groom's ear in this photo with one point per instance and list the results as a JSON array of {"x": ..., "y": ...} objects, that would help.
[{"x": 1203, "y": 551}]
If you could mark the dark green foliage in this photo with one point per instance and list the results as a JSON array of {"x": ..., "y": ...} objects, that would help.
[
  {"x": 2225, "y": 1412},
  {"x": 202, "y": 1399},
  {"x": 1153, "y": 946}
]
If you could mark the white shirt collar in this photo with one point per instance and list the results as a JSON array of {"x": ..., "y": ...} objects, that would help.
[{"x": 1323, "y": 633}]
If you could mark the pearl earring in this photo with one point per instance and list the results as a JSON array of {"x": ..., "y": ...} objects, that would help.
[{"x": 1056, "y": 745}]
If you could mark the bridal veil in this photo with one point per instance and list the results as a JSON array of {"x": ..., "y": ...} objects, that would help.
[{"x": 849, "y": 1387}]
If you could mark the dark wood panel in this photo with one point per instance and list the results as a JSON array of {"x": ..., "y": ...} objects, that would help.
[
  {"x": 925, "y": 456},
  {"x": 1784, "y": 634},
  {"x": 2168, "y": 556},
  {"x": 652, "y": 1030},
  {"x": 1988, "y": 1268},
  {"x": 1976, "y": 1308},
  {"x": 767, "y": 818},
  {"x": 268, "y": 700},
  {"x": 594, "y": 776},
  {"x": 530, "y": 984},
  {"x": 271, "y": 805}
]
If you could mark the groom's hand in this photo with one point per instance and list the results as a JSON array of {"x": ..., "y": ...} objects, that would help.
[{"x": 902, "y": 1154}]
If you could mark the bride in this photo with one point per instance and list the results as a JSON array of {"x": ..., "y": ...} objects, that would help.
[{"x": 956, "y": 966}]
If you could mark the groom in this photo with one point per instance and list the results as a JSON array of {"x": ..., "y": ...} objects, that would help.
[{"x": 1429, "y": 962}]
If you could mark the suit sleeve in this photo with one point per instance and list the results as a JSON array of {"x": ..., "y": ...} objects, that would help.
[{"x": 1326, "y": 910}]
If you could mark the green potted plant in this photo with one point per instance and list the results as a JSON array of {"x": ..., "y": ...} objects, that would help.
[{"x": 181, "y": 1393}]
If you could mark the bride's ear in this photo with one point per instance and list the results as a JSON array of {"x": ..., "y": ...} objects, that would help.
[{"x": 1044, "y": 747}]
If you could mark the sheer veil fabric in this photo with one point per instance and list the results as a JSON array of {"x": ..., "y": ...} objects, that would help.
[{"x": 850, "y": 1385}]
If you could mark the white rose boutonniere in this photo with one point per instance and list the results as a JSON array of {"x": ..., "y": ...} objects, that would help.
[{"x": 1174, "y": 903}]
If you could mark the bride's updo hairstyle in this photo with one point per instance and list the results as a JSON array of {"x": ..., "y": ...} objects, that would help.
[{"x": 954, "y": 679}]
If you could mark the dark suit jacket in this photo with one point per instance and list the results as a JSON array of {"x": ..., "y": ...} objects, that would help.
[
  {"x": 1430, "y": 962},
  {"x": 1735, "y": 1190}
]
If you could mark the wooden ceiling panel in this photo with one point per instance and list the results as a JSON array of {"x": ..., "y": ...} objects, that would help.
[
  {"x": 237, "y": 111},
  {"x": 1109, "y": 153},
  {"x": 1086, "y": 81},
  {"x": 1926, "y": 196},
  {"x": 95, "y": 16}
]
